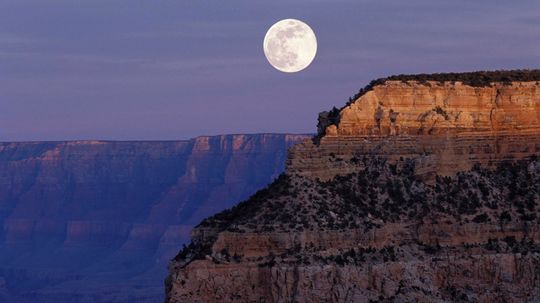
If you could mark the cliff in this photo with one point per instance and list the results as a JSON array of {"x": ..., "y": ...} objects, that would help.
[
  {"x": 99, "y": 220},
  {"x": 448, "y": 126},
  {"x": 422, "y": 188}
]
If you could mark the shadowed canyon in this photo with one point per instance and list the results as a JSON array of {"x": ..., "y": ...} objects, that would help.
[{"x": 98, "y": 221}]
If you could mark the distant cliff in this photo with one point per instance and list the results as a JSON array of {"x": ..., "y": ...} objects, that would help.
[
  {"x": 98, "y": 220},
  {"x": 423, "y": 188}
]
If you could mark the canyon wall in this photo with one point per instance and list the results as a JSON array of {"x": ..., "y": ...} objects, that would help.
[
  {"x": 446, "y": 126},
  {"x": 415, "y": 191},
  {"x": 99, "y": 220}
]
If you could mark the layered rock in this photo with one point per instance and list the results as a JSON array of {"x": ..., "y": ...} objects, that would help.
[
  {"x": 422, "y": 190},
  {"x": 98, "y": 220},
  {"x": 448, "y": 126}
]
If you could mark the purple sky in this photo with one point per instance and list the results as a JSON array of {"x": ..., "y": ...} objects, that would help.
[{"x": 133, "y": 69}]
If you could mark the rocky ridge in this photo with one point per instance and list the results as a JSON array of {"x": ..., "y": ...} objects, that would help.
[{"x": 420, "y": 189}]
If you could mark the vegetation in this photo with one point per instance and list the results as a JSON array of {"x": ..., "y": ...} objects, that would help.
[
  {"x": 476, "y": 79},
  {"x": 280, "y": 187},
  {"x": 384, "y": 192}
]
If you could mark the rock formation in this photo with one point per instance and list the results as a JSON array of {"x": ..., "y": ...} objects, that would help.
[
  {"x": 448, "y": 126},
  {"x": 99, "y": 220},
  {"x": 423, "y": 188}
]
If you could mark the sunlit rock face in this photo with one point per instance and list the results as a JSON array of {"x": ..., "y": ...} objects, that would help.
[
  {"x": 445, "y": 126},
  {"x": 416, "y": 191},
  {"x": 99, "y": 220},
  {"x": 447, "y": 108}
]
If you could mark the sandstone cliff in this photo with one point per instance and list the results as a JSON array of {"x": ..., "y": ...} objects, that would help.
[
  {"x": 448, "y": 126},
  {"x": 420, "y": 189},
  {"x": 98, "y": 220}
]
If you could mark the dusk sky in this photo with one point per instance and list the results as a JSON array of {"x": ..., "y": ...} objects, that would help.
[{"x": 138, "y": 70}]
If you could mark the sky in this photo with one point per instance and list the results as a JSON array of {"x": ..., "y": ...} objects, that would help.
[{"x": 167, "y": 70}]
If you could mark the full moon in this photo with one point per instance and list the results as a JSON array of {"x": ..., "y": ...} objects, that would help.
[{"x": 290, "y": 45}]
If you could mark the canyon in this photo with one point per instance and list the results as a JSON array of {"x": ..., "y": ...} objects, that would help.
[
  {"x": 98, "y": 221},
  {"x": 422, "y": 188}
]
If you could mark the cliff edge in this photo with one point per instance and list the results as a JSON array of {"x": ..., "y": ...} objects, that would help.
[{"x": 422, "y": 188}]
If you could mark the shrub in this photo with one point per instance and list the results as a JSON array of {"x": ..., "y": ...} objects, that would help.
[{"x": 481, "y": 218}]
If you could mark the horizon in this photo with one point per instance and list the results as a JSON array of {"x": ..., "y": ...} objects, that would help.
[
  {"x": 157, "y": 140},
  {"x": 177, "y": 70},
  {"x": 274, "y": 133}
]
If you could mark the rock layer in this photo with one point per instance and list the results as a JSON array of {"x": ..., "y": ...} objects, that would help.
[{"x": 447, "y": 126}]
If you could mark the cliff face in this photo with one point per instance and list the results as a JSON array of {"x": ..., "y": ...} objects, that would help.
[
  {"x": 447, "y": 126},
  {"x": 98, "y": 220},
  {"x": 423, "y": 191}
]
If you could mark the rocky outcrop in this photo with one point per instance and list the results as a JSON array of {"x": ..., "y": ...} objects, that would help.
[
  {"x": 99, "y": 220},
  {"x": 449, "y": 126},
  {"x": 420, "y": 189}
]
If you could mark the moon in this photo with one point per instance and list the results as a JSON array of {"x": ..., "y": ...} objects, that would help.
[{"x": 290, "y": 45}]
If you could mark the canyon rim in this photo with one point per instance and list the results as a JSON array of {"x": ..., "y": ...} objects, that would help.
[{"x": 422, "y": 188}]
